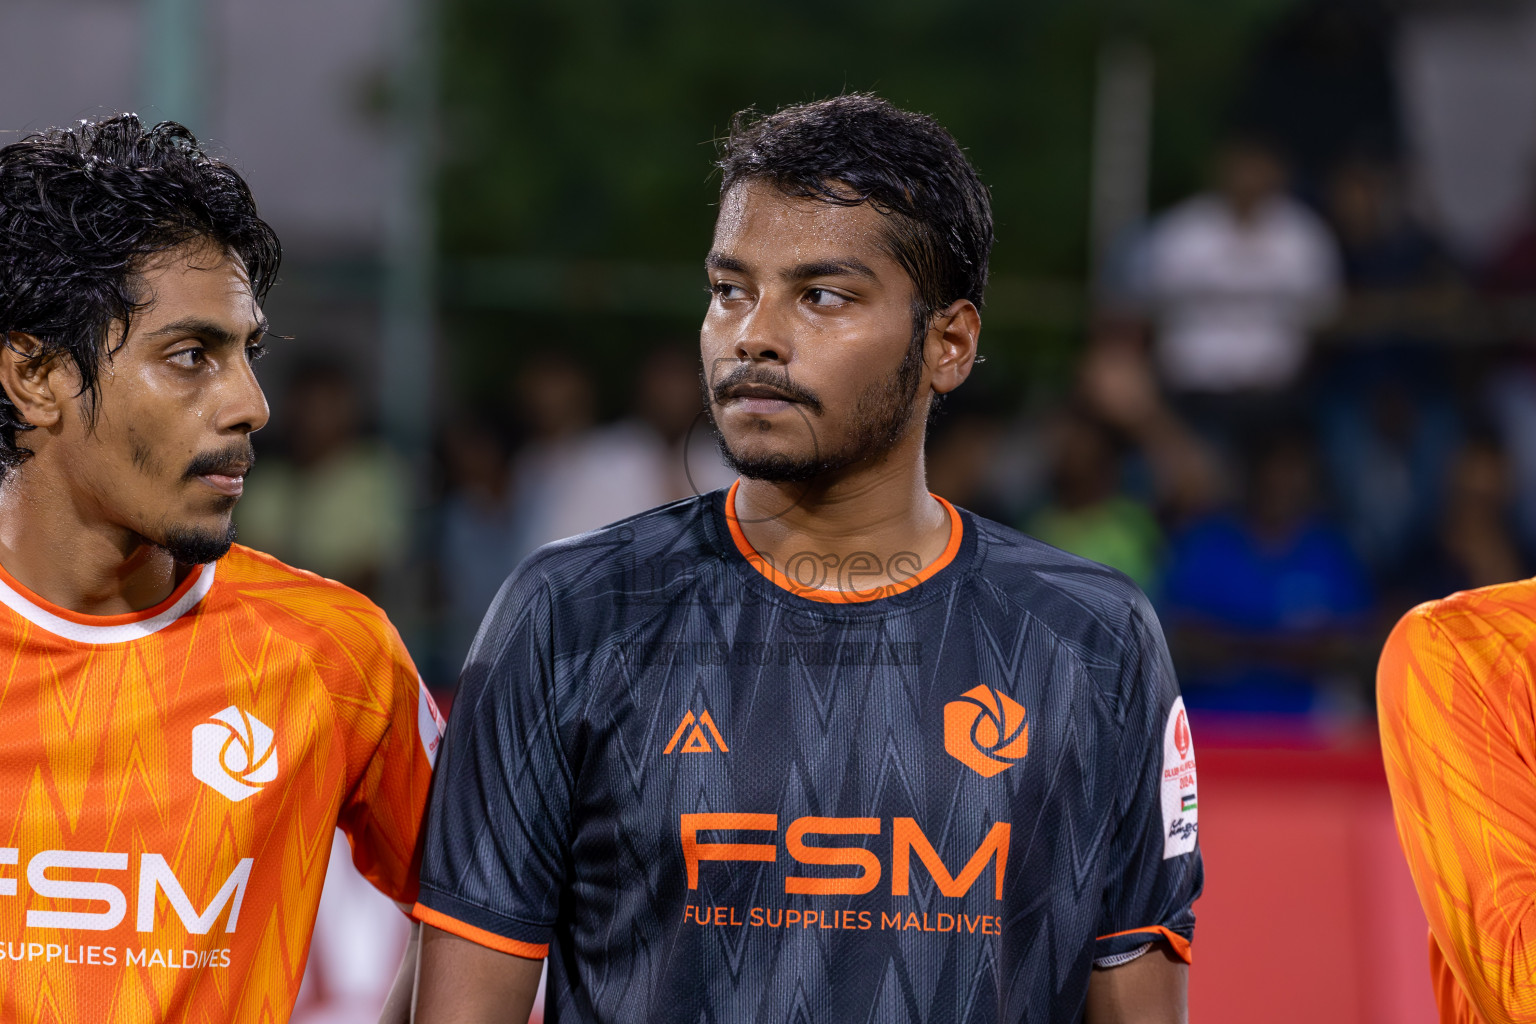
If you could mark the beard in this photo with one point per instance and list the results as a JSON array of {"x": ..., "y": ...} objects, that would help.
[
  {"x": 880, "y": 418},
  {"x": 189, "y": 546}
]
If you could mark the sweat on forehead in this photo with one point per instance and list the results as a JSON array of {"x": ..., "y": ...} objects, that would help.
[{"x": 811, "y": 223}]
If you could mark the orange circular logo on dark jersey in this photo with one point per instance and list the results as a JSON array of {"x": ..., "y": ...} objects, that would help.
[{"x": 985, "y": 730}]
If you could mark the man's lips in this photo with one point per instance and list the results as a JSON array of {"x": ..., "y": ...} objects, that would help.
[
  {"x": 759, "y": 399},
  {"x": 756, "y": 391},
  {"x": 229, "y": 481}
]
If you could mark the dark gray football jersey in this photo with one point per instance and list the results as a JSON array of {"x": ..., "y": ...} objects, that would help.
[{"x": 709, "y": 793}]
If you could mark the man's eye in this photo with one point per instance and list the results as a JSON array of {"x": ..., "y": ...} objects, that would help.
[
  {"x": 255, "y": 351},
  {"x": 188, "y": 357},
  {"x": 824, "y": 297},
  {"x": 725, "y": 290}
]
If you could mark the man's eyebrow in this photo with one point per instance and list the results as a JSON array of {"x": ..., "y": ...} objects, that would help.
[
  {"x": 838, "y": 267},
  {"x": 720, "y": 261},
  {"x": 830, "y": 268},
  {"x": 212, "y": 330}
]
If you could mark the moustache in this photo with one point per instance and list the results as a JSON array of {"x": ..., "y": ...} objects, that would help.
[
  {"x": 780, "y": 382},
  {"x": 233, "y": 461}
]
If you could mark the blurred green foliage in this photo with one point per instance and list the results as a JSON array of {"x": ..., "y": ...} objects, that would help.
[{"x": 584, "y": 132}]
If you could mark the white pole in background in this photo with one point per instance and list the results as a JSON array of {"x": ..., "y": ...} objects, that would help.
[{"x": 1122, "y": 143}]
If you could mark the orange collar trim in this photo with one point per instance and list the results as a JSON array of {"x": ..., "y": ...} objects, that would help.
[
  {"x": 105, "y": 629},
  {"x": 812, "y": 591}
]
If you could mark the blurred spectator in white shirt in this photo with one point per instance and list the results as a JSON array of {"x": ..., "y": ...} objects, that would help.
[
  {"x": 575, "y": 475},
  {"x": 1237, "y": 279}
]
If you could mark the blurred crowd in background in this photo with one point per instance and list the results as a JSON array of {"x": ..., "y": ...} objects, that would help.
[
  {"x": 1261, "y": 330},
  {"x": 505, "y": 480},
  {"x": 1296, "y": 414},
  {"x": 1295, "y": 411}
]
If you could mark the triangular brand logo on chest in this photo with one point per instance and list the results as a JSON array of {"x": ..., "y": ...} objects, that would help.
[{"x": 690, "y": 731}]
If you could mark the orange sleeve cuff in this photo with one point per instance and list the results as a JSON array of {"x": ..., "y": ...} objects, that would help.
[
  {"x": 479, "y": 936},
  {"x": 1179, "y": 943}
]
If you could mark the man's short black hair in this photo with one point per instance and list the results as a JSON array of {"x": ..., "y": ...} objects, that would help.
[
  {"x": 82, "y": 210},
  {"x": 858, "y": 148}
]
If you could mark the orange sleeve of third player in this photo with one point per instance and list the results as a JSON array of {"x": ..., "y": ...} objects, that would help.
[{"x": 1454, "y": 694}]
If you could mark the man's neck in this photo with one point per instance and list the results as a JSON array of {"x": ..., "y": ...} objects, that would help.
[
  {"x": 92, "y": 568},
  {"x": 883, "y": 510}
]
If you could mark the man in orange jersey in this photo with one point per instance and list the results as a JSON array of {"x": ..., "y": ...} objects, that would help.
[
  {"x": 1456, "y": 691},
  {"x": 184, "y": 722}
]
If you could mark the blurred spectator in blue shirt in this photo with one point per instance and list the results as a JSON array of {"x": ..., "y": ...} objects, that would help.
[{"x": 1267, "y": 603}]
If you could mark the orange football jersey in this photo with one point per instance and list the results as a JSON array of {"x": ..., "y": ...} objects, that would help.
[
  {"x": 171, "y": 782},
  {"x": 1456, "y": 691}
]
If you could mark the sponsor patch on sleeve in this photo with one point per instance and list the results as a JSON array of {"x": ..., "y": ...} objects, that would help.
[
  {"x": 1181, "y": 806},
  {"x": 429, "y": 722}
]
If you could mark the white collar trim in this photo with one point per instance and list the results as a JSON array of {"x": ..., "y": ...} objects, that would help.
[{"x": 117, "y": 634}]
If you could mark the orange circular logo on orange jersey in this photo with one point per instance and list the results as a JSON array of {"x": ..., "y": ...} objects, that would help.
[{"x": 985, "y": 730}]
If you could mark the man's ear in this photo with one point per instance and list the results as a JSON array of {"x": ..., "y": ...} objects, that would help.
[
  {"x": 952, "y": 342},
  {"x": 31, "y": 380}
]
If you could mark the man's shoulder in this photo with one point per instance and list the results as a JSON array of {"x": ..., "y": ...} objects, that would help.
[
  {"x": 290, "y": 599},
  {"x": 1458, "y": 665},
  {"x": 639, "y": 551},
  {"x": 1067, "y": 593},
  {"x": 1469, "y": 620},
  {"x": 628, "y": 564},
  {"x": 578, "y": 591}
]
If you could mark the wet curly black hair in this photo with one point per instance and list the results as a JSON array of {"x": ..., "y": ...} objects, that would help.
[
  {"x": 859, "y": 148},
  {"x": 82, "y": 210}
]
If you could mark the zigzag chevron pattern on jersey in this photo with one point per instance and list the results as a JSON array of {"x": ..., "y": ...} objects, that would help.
[{"x": 101, "y": 787}]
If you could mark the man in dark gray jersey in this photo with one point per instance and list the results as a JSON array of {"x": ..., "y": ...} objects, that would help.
[{"x": 821, "y": 747}]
